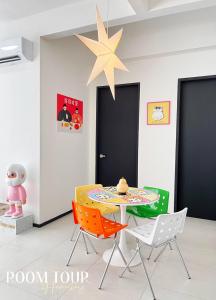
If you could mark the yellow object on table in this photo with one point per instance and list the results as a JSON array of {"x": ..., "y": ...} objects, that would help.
[{"x": 122, "y": 186}]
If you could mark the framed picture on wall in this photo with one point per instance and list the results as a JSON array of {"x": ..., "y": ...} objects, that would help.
[
  {"x": 69, "y": 114},
  {"x": 158, "y": 113}
]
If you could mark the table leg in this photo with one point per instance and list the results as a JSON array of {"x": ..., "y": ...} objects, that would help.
[
  {"x": 122, "y": 239},
  {"x": 116, "y": 259}
]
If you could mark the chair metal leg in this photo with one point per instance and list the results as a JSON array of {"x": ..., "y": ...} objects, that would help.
[
  {"x": 146, "y": 272},
  {"x": 107, "y": 266},
  {"x": 160, "y": 253},
  {"x": 86, "y": 247},
  {"x": 78, "y": 236},
  {"x": 170, "y": 246},
  {"x": 150, "y": 254},
  {"x": 114, "y": 218},
  {"x": 128, "y": 218},
  {"x": 182, "y": 259},
  {"x": 135, "y": 221},
  {"x": 73, "y": 233},
  {"x": 122, "y": 256},
  {"x": 92, "y": 245},
  {"x": 127, "y": 266}
]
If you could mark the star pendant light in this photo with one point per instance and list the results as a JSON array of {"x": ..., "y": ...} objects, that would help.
[{"x": 104, "y": 49}]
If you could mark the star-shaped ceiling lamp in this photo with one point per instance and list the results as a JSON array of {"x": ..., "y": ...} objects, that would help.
[{"x": 104, "y": 49}]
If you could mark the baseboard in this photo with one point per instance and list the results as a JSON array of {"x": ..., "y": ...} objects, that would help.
[{"x": 52, "y": 220}]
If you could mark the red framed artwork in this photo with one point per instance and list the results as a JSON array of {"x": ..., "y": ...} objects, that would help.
[{"x": 69, "y": 114}]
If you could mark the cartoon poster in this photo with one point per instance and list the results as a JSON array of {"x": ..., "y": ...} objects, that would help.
[
  {"x": 69, "y": 114},
  {"x": 158, "y": 113}
]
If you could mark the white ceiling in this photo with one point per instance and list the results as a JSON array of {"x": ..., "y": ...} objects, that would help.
[
  {"x": 148, "y": 9},
  {"x": 159, "y": 4},
  {"x": 16, "y": 9},
  {"x": 120, "y": 11}
]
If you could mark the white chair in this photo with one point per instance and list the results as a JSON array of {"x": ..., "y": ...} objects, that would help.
[{"x": 159, "y": 233}]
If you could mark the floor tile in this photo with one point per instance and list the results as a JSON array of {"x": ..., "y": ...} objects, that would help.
[
  {"x": 9, "y": 292},
  {"x": 164, "y": 294},
  {"x": 47, "y": 250}
]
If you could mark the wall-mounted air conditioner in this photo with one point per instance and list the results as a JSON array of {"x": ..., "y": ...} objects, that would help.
[{"x": 16, "y": 50}]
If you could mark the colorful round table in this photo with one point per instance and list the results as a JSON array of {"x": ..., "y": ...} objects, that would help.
[{"x": 134, "y": 196}]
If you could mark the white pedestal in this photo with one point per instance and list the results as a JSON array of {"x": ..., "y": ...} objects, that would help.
[{"x": 17, "y": 225}]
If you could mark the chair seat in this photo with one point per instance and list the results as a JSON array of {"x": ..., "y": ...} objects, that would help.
[
  {"x": 143, "y": 211},
  {"x": 104, "y": 209},
  {"x": 151, "y": 210},
  {"x": 111, "y": 227},
  {"x": 81, "y": 197},
  {"x": 143, "y": 232}
]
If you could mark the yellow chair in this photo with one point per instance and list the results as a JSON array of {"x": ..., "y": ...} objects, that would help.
[{"x": 81, "y": 197}]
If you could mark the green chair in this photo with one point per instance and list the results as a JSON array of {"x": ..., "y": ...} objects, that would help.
[{"x": 153, "y": 210}]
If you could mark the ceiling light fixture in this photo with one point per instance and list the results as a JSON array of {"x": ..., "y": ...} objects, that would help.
[{"x": 104, "y": 49}]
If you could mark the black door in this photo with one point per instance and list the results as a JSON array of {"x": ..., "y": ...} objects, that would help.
[
  {"x": 117, "y": 135},
  {"x": 196, "y": 147}
]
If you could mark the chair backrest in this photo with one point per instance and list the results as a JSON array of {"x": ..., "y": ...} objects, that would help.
[
  {"x": 168, "y": 226},
  {"x": 161, "y": 206},
  {"x": 89, "y": 219},
  {"x": 74, "y": 212},
  {"x": 81, "y": 193}
]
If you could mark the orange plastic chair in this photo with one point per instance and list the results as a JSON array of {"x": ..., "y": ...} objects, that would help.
[{"x": 93, "y": 224}]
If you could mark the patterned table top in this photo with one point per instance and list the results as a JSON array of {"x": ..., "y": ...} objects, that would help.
[{"x": 134, "y": 196}]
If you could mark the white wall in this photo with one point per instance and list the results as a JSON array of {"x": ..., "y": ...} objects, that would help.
[
  {"x": 157, "y": 52},
  {"x": 19, "y": 127},
  {"x": 20, "y": 92},
  {"x": 65, "y": 64},
  {"x": 156, "y": 58},
  {"x": 166, "y": 35}
]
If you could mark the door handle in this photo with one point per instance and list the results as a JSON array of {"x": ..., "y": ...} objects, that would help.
[{"x": 102, "y": 155}]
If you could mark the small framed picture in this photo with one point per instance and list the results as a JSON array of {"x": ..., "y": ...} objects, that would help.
[{"x": 158, "y": 113}]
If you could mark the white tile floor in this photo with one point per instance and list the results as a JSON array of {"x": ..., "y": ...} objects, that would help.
[{"x": 47, "y": 249}]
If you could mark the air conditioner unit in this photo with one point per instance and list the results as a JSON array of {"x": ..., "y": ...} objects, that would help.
[{"x": 16, "y": 50}]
